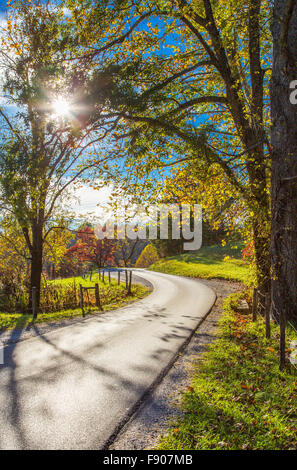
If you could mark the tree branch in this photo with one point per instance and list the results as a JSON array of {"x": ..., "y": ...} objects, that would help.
[{"x": 166, "y": 82}]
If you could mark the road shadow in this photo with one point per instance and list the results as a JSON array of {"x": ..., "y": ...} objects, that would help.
[{"x": 12, "y": 409}]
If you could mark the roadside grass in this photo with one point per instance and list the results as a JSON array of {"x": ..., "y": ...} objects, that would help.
[
  {"x": 112, "y": 297},
  {"x": 85, "y": 281},
  {"x": 208, "y": 262},
  {"x": 238, "y": 398}
]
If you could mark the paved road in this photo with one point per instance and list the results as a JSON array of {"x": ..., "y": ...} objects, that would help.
[{"x": 70, "y": 388}]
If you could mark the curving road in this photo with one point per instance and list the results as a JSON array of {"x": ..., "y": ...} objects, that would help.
[{"x": 73, "y": 387}]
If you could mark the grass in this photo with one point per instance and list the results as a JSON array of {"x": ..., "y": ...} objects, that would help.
[
  {"x": 238, "y": 398},
  {"x": 85, "y": 281},
  {"x": 209, "y": 262},
  {"x": 112, "y": 297}
]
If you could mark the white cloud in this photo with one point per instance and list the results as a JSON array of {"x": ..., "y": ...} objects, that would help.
[{"x": 87, "y": 203}]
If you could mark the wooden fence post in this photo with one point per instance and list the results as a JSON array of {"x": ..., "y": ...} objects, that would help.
[
  {"x": 255, "y": 301},
  {"x": 130, "y": 282},
  {"x": 267, "y": 315},
  {"x": 126, "y": 277},
  {"x": 119, "y": 277},
  {"x": 109, "y": 276},
  {"x": 82, "y": 299},
  {"x": 34, "y": 303},
  {"x": 97, "y": 296}
]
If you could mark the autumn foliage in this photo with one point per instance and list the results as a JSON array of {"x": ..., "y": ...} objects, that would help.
[
  {"x": 89, "y": 249},
  {"x": 148, "y": 256}
]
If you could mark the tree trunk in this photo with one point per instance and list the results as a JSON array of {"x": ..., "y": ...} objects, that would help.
[
  {"x": 261, "y": 238},
  {"x": 284, "y": 162},
  {"x": 36, "y": 262},
  {"x": 258, "y": 204},
  {"x": 284, "y": 167}
]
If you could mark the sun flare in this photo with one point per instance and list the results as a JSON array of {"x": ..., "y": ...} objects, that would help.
[{"x": 61, "y": 107}]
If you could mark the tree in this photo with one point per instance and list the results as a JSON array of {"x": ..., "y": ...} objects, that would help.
[
  {"x": 148, "y": 256},
  {"x": 91, "y": 250},
  {"x": 201, "y": 58},
  {"x": 49, "y": 141},
  {"x": 13, "y": 257},
  {"x": 168, "y": 246},
  {"x": 127, "y": 251},
  {"x": 284, "y": 165},
  {"x": 223, "y": 210},
  {"x": 55, "y": 246}
]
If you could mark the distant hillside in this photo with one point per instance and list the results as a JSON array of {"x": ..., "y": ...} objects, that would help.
[{"x": 222, "y": 262}]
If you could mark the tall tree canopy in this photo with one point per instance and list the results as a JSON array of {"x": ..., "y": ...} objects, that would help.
[
  {"x": 50, "y": 124},
  {"x": 193, "y": 85}
]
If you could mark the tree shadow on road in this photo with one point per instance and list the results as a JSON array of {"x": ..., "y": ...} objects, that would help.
[{"x": 12, "y": 407}]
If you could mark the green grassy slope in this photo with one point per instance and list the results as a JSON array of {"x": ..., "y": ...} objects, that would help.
[{"x": 208, "y": 262}]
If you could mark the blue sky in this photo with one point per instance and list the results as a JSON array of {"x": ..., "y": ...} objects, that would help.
[{"x": 2, "y": 6}]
